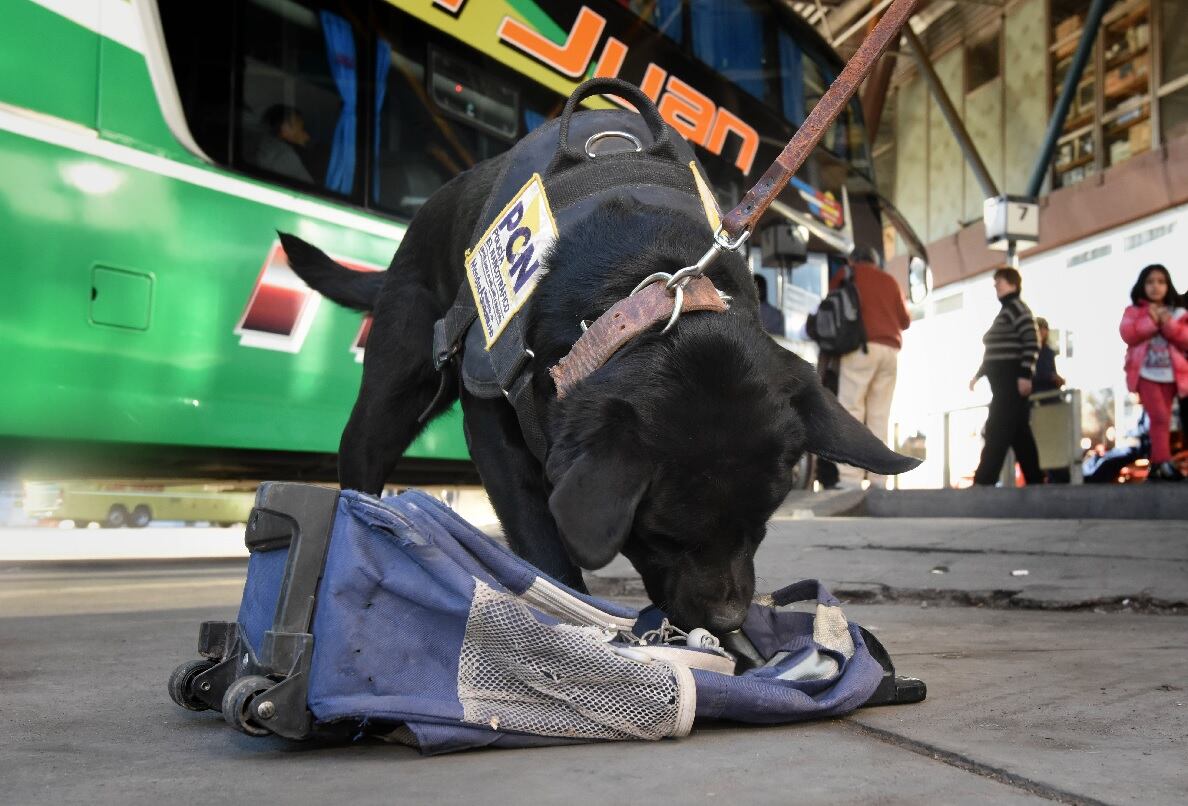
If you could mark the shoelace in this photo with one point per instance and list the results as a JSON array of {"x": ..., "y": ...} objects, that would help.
[{"x": 668, "y": 634}]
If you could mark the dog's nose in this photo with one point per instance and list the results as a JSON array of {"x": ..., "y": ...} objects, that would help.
[{"x": 725, "y": 618}]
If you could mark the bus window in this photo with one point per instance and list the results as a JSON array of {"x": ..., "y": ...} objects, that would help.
[
  {"x": 730, "y": 36},
  {"x": 270, "y": 87},
  {"x": 805, "y": 80},
  {"x": 441, "y": 110},
  {"x": 298, "y": 94},
  {"x": 463, "y": 91},
  {"x": 667, "y": 16},
  {"x": 792, "y": 87}
]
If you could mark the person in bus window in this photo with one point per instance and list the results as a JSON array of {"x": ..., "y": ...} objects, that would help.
[
  {"x": 1155, "y": 329},
  {"x": 284, "y": 149}
]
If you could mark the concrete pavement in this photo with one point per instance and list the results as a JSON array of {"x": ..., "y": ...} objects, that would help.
[
  {"x": 988, "y": 562},
  {"x": 1051, "y": 691}
]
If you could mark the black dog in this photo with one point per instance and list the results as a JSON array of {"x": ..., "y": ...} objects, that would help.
[{"x": 675, "y": 452}]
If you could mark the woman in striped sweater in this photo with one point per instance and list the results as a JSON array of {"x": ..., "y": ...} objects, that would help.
[
  {"x": 1012, "y": 346},
  {"x": 1155, "y": 329}
]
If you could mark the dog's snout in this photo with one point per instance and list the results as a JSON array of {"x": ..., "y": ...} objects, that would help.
[{"x": 725, "y": 618}]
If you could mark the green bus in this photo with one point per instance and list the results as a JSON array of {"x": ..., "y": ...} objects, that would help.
[{"x": 149, "y": 152}]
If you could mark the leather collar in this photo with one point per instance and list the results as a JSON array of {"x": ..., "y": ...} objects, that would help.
[{"x": 625, "y": 320}]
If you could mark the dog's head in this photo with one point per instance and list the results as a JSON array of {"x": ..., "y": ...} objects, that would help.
[{"x": 679, "y": 453}]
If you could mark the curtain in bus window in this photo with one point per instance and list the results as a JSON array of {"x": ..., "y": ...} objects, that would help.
[
  {"x": 532, "y": 120},
  {"x": 791, "y": 79},
  {"x": 340, "y": 50},
  {"x": 383, "y": 61},
  {"x": 728, "y": 36}
]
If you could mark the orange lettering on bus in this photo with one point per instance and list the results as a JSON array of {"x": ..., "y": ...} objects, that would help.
[
  {"x": 690, "y": 112},
  {"x": 569, "y": 59},
  {"x": 611, "y": 61},
  {"x": 452, "y": 6},
  {"x": 653, "y": 81},
  {"x": 687, "y": 111},
  {"x": 726, "y": 122}
]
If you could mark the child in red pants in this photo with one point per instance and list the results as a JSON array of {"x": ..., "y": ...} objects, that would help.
[{"x": 1155, "y": 329}]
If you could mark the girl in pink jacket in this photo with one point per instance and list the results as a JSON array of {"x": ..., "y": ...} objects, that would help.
[{"x": 1155, "y": 329}]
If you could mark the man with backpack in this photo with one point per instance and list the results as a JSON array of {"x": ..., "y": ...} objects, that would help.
[{"x": 862, "y": 321}]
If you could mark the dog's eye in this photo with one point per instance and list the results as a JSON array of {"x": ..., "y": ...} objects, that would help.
[{"x": 663, "y": 541}]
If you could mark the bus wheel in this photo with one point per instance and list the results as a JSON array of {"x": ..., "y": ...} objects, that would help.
[
  {"x": 141, "y": 516},
  {"x": 117, "y": 516}
]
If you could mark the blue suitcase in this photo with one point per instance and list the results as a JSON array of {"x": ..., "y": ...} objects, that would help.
[{"x": 399, "y": 620}]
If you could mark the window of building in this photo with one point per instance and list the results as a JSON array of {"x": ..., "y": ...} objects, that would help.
[
  {"x": 983, "y": 61},
  {"x": 1173, "y": 91},
  {"x": 1109, "y": 119}
]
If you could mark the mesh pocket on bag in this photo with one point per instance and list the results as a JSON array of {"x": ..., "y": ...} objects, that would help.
[{"x": 518, "y": 674}]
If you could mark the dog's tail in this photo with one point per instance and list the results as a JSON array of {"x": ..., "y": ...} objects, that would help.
[{"x": 353, "y": 289}]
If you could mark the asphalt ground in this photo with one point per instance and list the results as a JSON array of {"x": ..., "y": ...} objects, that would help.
[{"x": 1044, "y": 697}]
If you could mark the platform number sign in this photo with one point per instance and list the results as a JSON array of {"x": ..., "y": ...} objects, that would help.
[{"x": 1011, "y": 218}]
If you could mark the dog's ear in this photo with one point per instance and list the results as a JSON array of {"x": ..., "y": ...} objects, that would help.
[
  {"x": 831, "y": 432},
  {"x": 594, "y": 503},
  {"x": 599, "y": 480}
]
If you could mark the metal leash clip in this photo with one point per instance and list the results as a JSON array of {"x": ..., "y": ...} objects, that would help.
[{"x": 675, "y": 282}]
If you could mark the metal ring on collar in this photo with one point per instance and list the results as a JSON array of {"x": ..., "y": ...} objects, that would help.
[
  {"x": 594, "y": 138},
  {"x": 678, "y": 291},
  {"x": 651, "y": 278},
  {"x": 677, "y": 305},
  {"x": 683, "y": 276}
]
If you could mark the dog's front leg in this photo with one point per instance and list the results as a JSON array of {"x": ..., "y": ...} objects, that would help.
[
  {"x": 516, "y": 486},
  {"x": 399, "y": 382}
]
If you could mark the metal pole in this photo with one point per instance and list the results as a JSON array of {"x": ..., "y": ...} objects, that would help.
[
  {"x": 1088, "y": 35},
  {"x": 946, "y": 473},
  {"x": 1076, "y": 474},
  {"x": 989, "y": 189}
]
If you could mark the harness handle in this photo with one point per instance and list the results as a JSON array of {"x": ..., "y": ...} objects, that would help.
[{"x": 661, "y": 142}]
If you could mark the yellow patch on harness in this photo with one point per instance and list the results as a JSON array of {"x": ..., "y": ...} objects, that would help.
[
  {"x": 503, "y": 268},
  {"x": 712, "y": 214}
]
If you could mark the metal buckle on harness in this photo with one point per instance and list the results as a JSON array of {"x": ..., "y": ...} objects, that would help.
[
  {"x": 525, "y": 357},
  {"x": 611, "y": 135}
]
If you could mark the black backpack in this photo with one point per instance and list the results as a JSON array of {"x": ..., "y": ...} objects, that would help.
[{"x": 837, "y": 327}]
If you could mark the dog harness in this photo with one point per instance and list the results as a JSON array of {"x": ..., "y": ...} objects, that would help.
[{"x": 552, "y": 180}]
